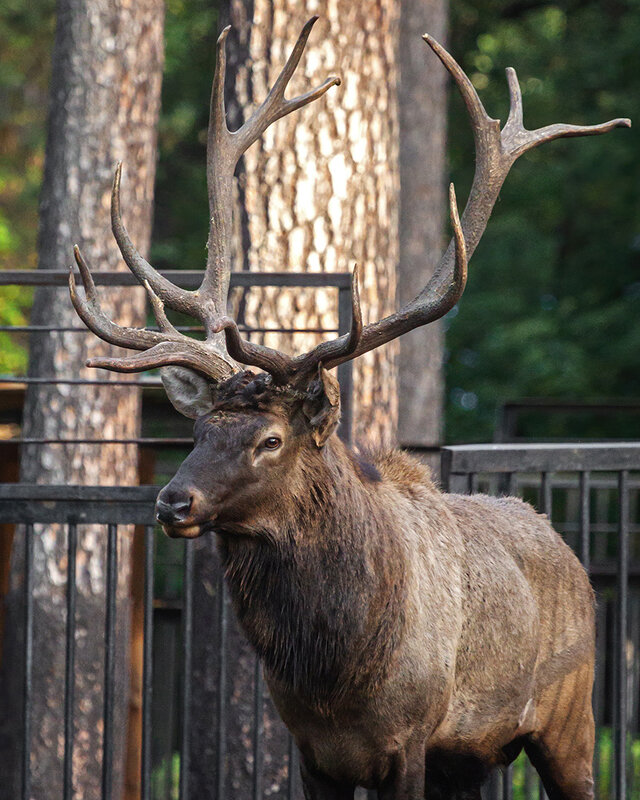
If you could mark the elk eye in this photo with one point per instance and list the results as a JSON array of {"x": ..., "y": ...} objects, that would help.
[{"x": 272, "y": 442}]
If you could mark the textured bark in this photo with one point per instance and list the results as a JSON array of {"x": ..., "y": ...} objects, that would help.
[
  {"x": 423, "y": 205},
  {"x": 105, "y": 92},
  {"x": 319, "y": 191}
]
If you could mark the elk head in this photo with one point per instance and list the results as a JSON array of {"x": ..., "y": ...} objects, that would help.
[
  {"x": 258, "y": 442},
  {"x": 252, "y": 428}
]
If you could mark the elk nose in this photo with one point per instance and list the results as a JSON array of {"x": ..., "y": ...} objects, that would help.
[{"x": 173, "y": 507}]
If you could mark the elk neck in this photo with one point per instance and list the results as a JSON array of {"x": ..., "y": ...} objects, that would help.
[{"x": 320, "y": 594}]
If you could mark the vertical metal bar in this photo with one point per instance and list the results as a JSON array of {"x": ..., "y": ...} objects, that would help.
[
  {"x": 493, "y": 786},
  {"x": 69, "y": 672},
  {"x": 345, "y": 371},
  {"x": 545, "y": 495},
  {"x": 506, "y": 484},
  {"x": 585, "y": 520},
  {"x": 111, "y": 588},
  {"x": 445, "y": 469},
  {"x": 147, "y": 665},
  {"x": 621, "y": 630},
  {"x": 507, "y": 783},
  {"x": 529, "y": 783},
  {"x": 472, "y": 483},
  {"x": 187, "y": 633},
  {"x": 258, "y": 729},
  {"x": 294, "y": 768},
  {"x": 222, "y": 689},
  {"x": 28, "y": 662}
]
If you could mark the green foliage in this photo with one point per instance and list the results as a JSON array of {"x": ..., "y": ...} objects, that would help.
[
  {"x": 26, "y": 34},
  {"x": 551, "y": 305},
  {"x": 181, "y": 207}
]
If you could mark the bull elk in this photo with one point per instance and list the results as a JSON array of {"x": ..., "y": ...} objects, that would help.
[{"x": 412, "y": 640}]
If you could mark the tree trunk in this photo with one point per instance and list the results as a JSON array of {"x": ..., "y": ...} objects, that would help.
[
  {"x": 105, "y": 93},
  {"x": 423, "y": 206},
  {"x": 319, "y": 192}
]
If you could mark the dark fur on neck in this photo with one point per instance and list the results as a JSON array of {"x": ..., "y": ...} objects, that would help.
[{"x": 321, "y": 599}]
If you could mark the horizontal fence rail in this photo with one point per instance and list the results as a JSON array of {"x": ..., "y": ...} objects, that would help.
[{"x": 591, "y": 494}]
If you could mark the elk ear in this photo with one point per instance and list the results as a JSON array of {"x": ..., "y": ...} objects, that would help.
[
  {"x": 322, "y": 406},
  {"x": 190, "y": 393}
]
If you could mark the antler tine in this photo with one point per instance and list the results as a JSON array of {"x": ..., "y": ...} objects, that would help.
[
  {"x": 158, "y": 311},
  {"x": 190, "y": 353},
  {"x": 162, "y": 348},
  {"x": 341, "y": 348},
  {"x": 96, "y": 320},
  {"x": 275, "y": 105},
  {"x": 477, "y": 112},
  {"x": 517, "y": 139},
  {"x": 175, "y": 297}
]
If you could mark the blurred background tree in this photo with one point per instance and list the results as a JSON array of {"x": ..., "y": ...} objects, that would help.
[{"x": 550, "y": 309}]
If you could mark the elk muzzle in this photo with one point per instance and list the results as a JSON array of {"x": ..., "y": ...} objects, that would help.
[{"x": 176, "y": 510}]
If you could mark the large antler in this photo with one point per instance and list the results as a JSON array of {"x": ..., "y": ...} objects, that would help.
[
  {"x": 496, "y": 151},
  {"x": 208, "y": 303}
]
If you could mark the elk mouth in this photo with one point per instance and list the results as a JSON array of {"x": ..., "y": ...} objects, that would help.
[
  {"x": 187, "y": 530},
  {"x": 183, "y": 531}
]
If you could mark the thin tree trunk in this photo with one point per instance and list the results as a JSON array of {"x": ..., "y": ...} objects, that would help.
[
  {"x": 423, "y": 206},
  {"x": 105, "y": 93}
]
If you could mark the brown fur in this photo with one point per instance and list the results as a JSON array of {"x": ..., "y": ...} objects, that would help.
[{"x": 411, "y": 640}]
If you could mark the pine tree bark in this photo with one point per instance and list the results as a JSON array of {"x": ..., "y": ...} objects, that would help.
[
  {"x": 423, "y": 206},
  {"x": 319, "y": 192},
  {"x": 105, "y": 95}
]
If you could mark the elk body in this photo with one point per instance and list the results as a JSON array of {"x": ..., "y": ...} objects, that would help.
[{"x": 412, "y": 640}]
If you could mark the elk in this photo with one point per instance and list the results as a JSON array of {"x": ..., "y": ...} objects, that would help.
[{"x": 411, "y": 640}]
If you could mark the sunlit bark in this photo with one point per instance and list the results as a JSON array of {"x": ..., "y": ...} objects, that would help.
[{"x": 105, "y": 92}]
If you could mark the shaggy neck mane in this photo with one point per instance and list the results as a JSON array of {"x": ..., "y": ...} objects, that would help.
[{"x": 321, "y": 599}]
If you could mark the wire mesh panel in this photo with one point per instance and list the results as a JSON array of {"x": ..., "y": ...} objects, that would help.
[{"x": 591, "y": 495}]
